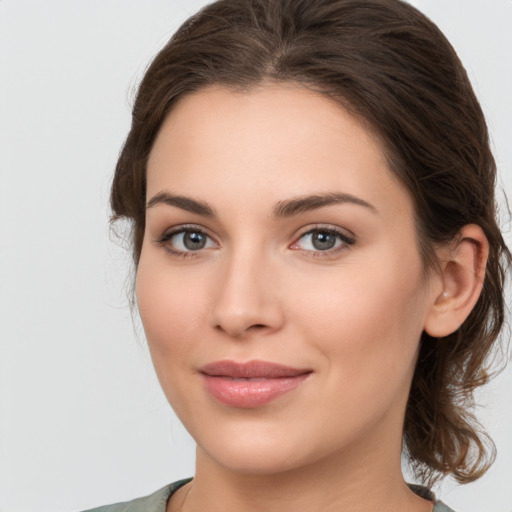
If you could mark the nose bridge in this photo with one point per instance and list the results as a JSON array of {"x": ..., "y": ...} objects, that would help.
[{"x": 245, "y": 299}]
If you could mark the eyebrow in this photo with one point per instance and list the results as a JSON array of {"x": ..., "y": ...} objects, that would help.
[
  {"x": 185, "y": 203},
  {"x": 291, "y": 207},
  {"x": 282, "y": 209}
]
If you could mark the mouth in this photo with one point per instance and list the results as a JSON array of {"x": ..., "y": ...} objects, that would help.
[{"x": 250, "y": 385}]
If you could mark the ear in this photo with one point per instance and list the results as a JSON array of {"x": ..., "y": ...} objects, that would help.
[{"x": 460, "y": 282}]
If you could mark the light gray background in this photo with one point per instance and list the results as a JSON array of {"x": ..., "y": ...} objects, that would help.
[{"x": 82, "y": 419}]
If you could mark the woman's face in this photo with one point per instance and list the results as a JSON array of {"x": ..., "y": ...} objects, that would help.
[{"x": 280, "y": 284}]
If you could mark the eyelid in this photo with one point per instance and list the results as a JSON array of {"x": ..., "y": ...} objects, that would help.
[
  {"x": 183, "y": 228},
  {"x": 344, "y": 232},
  {"x": 179, "y": 228},
  {"x": 347, "y": 238}
]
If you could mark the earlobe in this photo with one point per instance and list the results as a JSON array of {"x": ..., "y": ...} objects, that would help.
[{"x": 463, "y": 263}]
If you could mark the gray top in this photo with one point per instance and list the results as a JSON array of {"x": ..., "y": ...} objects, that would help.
[{"x": 157, "y": 502}]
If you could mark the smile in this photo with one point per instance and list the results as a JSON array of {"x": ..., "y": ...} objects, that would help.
[{"x": 250, "y": 385}]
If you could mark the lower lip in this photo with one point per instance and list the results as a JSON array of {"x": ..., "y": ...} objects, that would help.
[{"x": 250, "y": 393}]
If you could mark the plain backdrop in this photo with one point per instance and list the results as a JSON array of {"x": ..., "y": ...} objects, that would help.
[{"x": 82, "y": 419}]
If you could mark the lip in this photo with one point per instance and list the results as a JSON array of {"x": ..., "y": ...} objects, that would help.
[{"x": 252, "y": 384}]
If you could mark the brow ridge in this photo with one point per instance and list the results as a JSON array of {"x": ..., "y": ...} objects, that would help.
[
  {"x": 185, "y": 203},
  {"x": 282, "y": 209},
  {"x": 296, "y": 206}
]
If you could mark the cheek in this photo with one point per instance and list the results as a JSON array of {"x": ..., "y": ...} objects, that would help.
[
  {"x": 169, "y": 307},
  {"x": 367, "y": 320}
]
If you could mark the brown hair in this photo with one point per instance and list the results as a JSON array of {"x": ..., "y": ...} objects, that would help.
[{"x": 391, "y": 66}]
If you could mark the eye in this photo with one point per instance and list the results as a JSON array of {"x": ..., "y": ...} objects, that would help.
[
  {"x": 323, "y": 240},
  {"x": 185, "y": 240}
]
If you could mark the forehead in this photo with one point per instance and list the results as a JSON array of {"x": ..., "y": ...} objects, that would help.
[{"x": 269, "y": 143}]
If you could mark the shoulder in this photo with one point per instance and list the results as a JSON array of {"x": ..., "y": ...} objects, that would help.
[
  {"x": 441, "y": 507},
  {"x": 156, "y": 502},
  {"x": 426, "y": 493}
]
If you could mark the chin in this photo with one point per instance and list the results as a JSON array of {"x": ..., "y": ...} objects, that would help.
[
  {"x": 253, "y": 451},
  {"x": 256, "y": 460}
]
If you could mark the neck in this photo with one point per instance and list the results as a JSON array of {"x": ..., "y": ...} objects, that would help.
[{"x": 339, "y": 482}]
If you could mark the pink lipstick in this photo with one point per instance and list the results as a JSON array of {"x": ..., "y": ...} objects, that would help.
[{"x": 252, "y": 384}]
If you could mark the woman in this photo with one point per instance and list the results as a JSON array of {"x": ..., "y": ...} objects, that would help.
[{"x": 319, "y": 268}]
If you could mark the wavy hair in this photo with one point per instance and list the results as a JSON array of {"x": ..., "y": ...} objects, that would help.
[{"x": 393, "y": 68}]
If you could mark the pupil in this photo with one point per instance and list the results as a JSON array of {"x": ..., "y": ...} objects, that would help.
[
  {"x": 194, "y": 240},
  {"x": 323, "y": 240}
]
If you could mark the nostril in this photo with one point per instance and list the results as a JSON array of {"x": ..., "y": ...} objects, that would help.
[{"x": 241, "y": 332}]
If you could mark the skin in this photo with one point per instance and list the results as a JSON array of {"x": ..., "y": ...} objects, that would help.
[{"x": 260, "y": 289}]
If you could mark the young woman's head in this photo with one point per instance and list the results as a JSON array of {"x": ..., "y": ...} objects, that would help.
[{"x": 310, "y": 184}]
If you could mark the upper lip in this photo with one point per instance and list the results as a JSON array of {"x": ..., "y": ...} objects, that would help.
[{"x": 251, "y": 370}]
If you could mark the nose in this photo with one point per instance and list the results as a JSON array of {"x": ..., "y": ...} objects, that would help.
[{"x": 246, "y": 297}]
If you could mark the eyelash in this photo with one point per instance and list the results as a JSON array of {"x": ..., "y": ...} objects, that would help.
[
  {"x": 164, "y": 239},
  {"x": 346, "y": 241}
]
